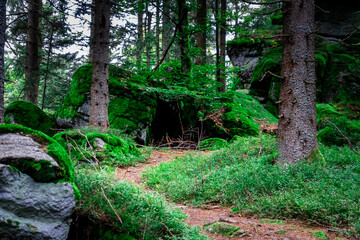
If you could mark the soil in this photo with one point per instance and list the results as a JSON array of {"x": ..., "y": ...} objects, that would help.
[{"x": 250, "y": 227}]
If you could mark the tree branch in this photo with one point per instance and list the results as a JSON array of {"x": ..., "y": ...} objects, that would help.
[
  {"x": 265, "y": 3},
  {"x": 272, "y": 74},
  {"x": 347, "y": 139}
]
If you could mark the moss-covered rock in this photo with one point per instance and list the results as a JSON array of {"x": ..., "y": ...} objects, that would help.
[
  {"x": 160, "y": 110},
  {"x": 238, "y": 114},
  {"x": 27, "y": 114},
  {"x": 338, "y": 125},
  {"x": 88, "y": 145},
  {"x": 51, "y": 147},
  {"x": 130, "y": 108},
  {"x": 337, "y": 75},
  {"x": 221, "y": 228}
]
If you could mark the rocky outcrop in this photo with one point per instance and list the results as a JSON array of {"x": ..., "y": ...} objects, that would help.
[
  {"x": 37, "y": 196},
  {"x": 245, "y": 54},
  {"x": 24, "y": 153},
  {"x": 33, "y": 210}
]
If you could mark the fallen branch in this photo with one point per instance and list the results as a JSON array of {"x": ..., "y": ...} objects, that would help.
[
  {"x": 347, "y": 139},
  {"x": 265, "y": 3},
  {"x": 111, "y": 206}
]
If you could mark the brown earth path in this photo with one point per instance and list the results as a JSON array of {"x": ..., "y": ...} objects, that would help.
[{"x": 251, "y": 227}]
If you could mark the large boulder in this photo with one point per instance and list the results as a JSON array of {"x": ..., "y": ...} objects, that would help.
[
  {"x": 37, "y": 191},
  {"x": 164, "y": 109},
  {"x": 130, "y": 108}
]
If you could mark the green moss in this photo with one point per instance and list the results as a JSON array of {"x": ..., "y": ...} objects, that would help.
[
  {"x": 82, "y": 147},
  {"x": 319, "y": 235},
  {"x": 250, "y": 42},
  {"x": 272, "y": 221},
  {"x": 213, "y": 144},
  {"x": 222, "y": 228},
  {"x": 333, "y": 125},
  {"x": 27, "y": 114},
  {"x": 316, "y": 157},
  {"x": 129, "y": 113},
  {"x": 53, "y": 148}
]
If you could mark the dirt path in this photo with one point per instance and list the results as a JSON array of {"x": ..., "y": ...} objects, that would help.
[{"x": 250, "y": 228}]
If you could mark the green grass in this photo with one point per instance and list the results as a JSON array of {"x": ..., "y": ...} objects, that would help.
[
  {"x": 244, "y": 175},
  {"x": 144, "y": 215}
]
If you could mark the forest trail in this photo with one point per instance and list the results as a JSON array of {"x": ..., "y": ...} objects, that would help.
[{"x": 250, "y": 227}]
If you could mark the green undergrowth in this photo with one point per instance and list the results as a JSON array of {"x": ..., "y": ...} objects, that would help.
[
  {"x": 98, "y": 146},
  {"x": 51, "y": 147},
  {"x": 338, "y": 124},
  {"x": 244, "y": 175},
  {"x": 213, "y": 144},
  {"x": 29, "y": 115},
  {"x": 129, "y": 209}
]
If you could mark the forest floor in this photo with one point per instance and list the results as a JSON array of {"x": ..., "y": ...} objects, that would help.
[{"x": 250, "y": 227}]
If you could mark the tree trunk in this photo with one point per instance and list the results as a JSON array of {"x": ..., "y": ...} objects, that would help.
[
  {"x": 47, "y": 66},
  {"x": 100, "y": 75},
  {"x": 148, "y": 37},
  {"x": 297, "y": 110},
  {"x": 221, "y": 66},
  {"x": 183, "y": 36},
  {"x": 201, "y": 35},
  {"x": 33, "y": 57},
  {"x": 165, "y": 29},
  {"x": 140, "y": 39},
  {"x": 157, "y": 33},
  {"x": 2, "y": 67},
  {"x": 92, "y": 30}
]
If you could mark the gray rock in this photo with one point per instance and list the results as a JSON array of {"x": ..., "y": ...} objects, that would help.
[
  {"x": 22, "y": 152},
  {"x": 245, "y": 58},
  {"x": 99, "y": 143},
  {"x": 33, "y": 210}
]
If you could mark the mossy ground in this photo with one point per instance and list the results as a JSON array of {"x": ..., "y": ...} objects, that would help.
[
  {"x": 27, "y": 114},
  {"x": 245, "y": 175}
]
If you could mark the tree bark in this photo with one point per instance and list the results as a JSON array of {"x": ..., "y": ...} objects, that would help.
[
  {"x": 221, "y": 66},
  {"x": 2, "y": 66},
  {"x": 140, "y": 28},
  {"x": 165, "y": 29},
  {"x": 201, "y": 35},
  {"x": 92, "y": 30},
  {"x": 33, "y": 57},
  {"x": 157, "y": 33},
  {"x": 100, "y": 75},
  {"x": 183, "y": 36},
  {"x": 297, "y": 110},
  {"x": 148, "y": 36},
  {"x": 47, "y": 67}
]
